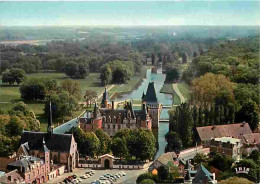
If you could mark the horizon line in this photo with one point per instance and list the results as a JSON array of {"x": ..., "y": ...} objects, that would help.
[{"x": 165, "y": 25}]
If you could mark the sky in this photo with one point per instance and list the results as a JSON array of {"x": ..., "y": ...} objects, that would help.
[{"x": 129, "y": 13}]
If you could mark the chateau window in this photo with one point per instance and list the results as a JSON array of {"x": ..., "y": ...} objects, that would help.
[
  {"x": 114, "y": 127},
  {"x": 119, "y": 126},
  {"x": 108, "y": 126}
]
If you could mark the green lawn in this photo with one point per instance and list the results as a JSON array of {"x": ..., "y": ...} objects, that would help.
[
  {"x": 130, "y": 85},
  {"x": 167, "y": 88},
  {"x": 185, "y": 90}
]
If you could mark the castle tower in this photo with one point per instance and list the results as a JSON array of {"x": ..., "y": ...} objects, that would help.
[
  {"x": 44, "y": 153},
  {"x": 105, "y": 99},
  {"x": 152, "y": 103}
]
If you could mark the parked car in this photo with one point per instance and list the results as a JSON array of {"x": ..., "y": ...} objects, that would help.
[{"x": 102, "y": 178}]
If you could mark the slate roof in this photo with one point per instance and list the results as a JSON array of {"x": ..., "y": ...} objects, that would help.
[
  {"x": 24, "y": 162},
  {"x": 150, "y": 94},
  {"x": 62, "y": 129},
  {"x": 54, "y": 142},
  {"x": 201, "y": 174},
  {"x": 105, "y": 97},
  {"x": 230, "y": 130}
]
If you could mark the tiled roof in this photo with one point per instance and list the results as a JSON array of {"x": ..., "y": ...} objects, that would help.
[
  {"x": 167, "y": 157},
  {"x": 253, "y": 138},
  {"x": 230, "y": 130},
  {"x": 54, "y": 142}
]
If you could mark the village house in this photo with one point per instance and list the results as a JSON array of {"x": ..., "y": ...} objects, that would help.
[
  {"x": 237, "y": 130},
  {"x": 227, "y": 146}
]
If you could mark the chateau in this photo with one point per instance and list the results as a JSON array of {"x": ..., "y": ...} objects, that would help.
[{"x": 111, "y": 120}]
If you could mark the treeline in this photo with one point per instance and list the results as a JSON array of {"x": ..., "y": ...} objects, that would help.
[
  {"x": 89, "y": 56},
  {"x": 238, "y": 60},
  {"x": 12, "y": 124},
  {"x": 138, "y": 144}
]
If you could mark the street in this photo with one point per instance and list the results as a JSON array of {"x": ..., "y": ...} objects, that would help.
[{"x": 131, "y": 175}]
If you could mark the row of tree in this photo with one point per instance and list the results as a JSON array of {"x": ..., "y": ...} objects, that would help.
[{"x": 129, "y": 144}]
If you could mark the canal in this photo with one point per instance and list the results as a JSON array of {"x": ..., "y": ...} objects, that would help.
[{"x": 165, "y": 99}]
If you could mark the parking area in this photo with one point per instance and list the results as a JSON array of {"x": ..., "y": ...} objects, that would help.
[{"x": 130, "y": 175}]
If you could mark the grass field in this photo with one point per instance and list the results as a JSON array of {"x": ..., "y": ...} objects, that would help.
[
  {"x": 10, "y": 94},
  {"x": 167, "y": 88},
  {"x": 185, "y": 90},
  {"x": 121, "y": 88}
]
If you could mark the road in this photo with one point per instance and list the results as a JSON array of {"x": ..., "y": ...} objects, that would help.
[
  {"x": 177, "y": 91},
  {"x": 130, "y": 178}
]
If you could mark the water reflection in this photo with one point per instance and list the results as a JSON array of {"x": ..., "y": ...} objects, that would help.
[{"x": 136, "y": 94}]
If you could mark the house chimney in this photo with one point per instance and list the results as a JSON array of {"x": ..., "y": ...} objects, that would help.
[{"x": 113, "y": 105}]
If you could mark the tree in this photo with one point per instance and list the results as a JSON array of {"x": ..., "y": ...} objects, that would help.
[
  {"x": 88, "y": 143},
  {"x": 185, "y": 58},
  {"x": 236, "y": 180},
  {"x": 106, "y": 75},
  {"x": 105, "y": 141},
  {"x": 144, "y": 176},
  {"x": 14, "y": 127},
  {"x": 207, "y": 88},
  {"x": 20, "y": 108},
  {"x": 253, "y": 172},
  {"x": 248, "y": 113},
  {"x": 172, "y": 74},
  {"x": 255, "y": 156},
  {"x": 72, "y": 87},
  {"x": 163, "y": 173},
  {"x": 221, "y": 162},
  {"x": 181, "y": 122},
  {"x": 200, "y": 158},
  {"x": 82, "y": 71},
  {"x": 141, "y": 144},
  {"x": 13, "y": 75},
  {"x": 119, "y": 147},
  {"x": 147, "y": 181},
  {"x": 62, "y": 104},
  {"x": 174, "y": 142},
  {"x": 33, "y": 89},
  {"x": 91, "y": 144},
  {"x": 71, "y": 69},
  {"x": 90, "y": 96}
]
